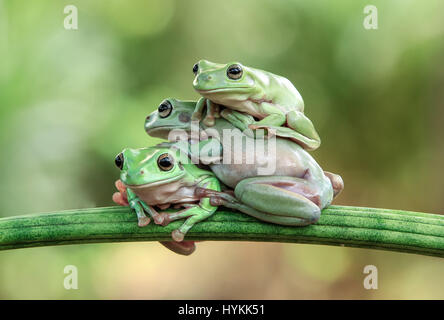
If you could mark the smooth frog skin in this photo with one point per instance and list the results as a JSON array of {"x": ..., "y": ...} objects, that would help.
[
  {"x": 293, "y": 194},
  {"x": 268, "y": 97},
  {"x": 157, "y": 176}
]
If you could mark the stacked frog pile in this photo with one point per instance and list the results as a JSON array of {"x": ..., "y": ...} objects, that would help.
[{"x": 204, "y": 169}]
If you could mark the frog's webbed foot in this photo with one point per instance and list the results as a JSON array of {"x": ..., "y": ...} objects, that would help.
[
  {"x": 268, "y": 131},
  {"x": 336, "y": 182},
  {"x": 143, "y": 221},
  {"x": 196, "y": 116},
  {"x": 177, "y": 235},
  {"x": 209, "y": 121},
  {"x": 165, "y": 218},
  {"x": 198, "y": 110},
  {"x": 120, "y": 197},
  {"x": 212, "y": 113}
]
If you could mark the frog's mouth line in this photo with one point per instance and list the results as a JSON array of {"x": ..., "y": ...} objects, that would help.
[
  {"x": 154, "y": 184},
  {"x": 221, "y": 89},
  {"x": 165, "y": 128}
]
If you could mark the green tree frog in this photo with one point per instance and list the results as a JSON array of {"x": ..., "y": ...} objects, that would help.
[
  {"x": 158, "y": 176},
  {"x": 270, "y": 98},
  {"x": 293, "y": 194}
]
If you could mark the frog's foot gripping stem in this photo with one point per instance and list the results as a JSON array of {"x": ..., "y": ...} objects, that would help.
[
  {"x": 193, "y": 214},
  {"x": 158, "y": 218},
  {"x": 120, "y": 197}
]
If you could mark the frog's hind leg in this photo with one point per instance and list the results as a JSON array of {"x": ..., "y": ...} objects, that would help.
[
  {"x": 304, "y": 130},
  {"x": 282, "y": 196},
  {"x": 277, "y": 199},
  {"x": 226, "y": 200}
]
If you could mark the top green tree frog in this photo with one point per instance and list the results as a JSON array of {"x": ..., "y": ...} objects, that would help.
[{"x": 268, "y": 97}]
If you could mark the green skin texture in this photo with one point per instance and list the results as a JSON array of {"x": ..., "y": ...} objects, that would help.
[
  {"x": 271, "y": 98},
  {"x": 149, "y": 185},
  {"x": 289, "y": 197}
]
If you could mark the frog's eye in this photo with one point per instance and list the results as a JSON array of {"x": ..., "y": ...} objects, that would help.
[
  {"x": 165, "y": 162},
  {"x": 119, "y": 161},
  {"x": 165, "y": 109},
  {"x": 234, "y": 71},
  {"x": 195, "y": 69}
]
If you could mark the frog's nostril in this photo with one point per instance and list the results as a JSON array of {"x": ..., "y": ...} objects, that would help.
[
  {"x": 147, "y": 118},
  {"x": 142, "y": 172},
  {"x": 206, "y": 77}
]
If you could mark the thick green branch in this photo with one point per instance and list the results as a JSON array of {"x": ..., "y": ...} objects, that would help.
[{"x": 395, "y": 230}]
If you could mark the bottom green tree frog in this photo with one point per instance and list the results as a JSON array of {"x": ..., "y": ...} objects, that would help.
[{"x": 161, "y": 177}]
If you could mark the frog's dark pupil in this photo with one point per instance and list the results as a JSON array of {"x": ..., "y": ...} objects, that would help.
[
  {"x": 163, "y": 107},
  {"x": 119, "y": 161},
  {"x": 165, "y": 162},
  {"x": 195, "y": 68},
  {"x": 235, "y": 70}
]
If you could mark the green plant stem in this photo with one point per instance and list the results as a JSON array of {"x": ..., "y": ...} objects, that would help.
[{"x": 385, "y": 229}]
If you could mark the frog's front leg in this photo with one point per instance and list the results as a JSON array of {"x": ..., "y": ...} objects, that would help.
[
  {"x": 140, "y": 207},
  {"x": 193, "y": 213},
  {"x": 198, "y": 110},
  {"x": 243, "y": 122},
  {"x": 275, "y": 117},
  {"x": 212, "y": 111}
]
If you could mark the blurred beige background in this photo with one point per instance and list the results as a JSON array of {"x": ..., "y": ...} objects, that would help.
[{"x": 71, "y": 100}]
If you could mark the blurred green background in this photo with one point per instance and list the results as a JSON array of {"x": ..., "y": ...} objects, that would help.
[{"x": 71, "y": 100}]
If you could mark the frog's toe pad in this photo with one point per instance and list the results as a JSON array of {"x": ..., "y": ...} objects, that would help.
[
  {"x": 269, "y": 132},
  {"x": 177, "y": 235},
  {"x": 196, "y": 116},
  {"x": 209, "y": 121},
  {"x": 143, "y": 221},
  {"x": 159, "y": 219},
  {"x": 119, "y": 199},
  {"x": 163, "y": 219}
]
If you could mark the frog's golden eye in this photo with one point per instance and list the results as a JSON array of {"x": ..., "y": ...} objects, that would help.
[
  {"x": 234, "y": 71},
  {"x": 165, "y": 109},
  {"x": 165, "y": 162},
  {"x": 195, "y": 68},
  {"x": 119, "y": 161}
]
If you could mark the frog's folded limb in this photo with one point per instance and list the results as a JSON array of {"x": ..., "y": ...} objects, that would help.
[
  {"x": 212, "y": 111},
  {"x": 193, "y": 213},
  {"x": 134, "y": 203},
  {"x": 300, "y": 128},
  {"x": 281, "y": 200},
  {"x": 140, "y": 207}
]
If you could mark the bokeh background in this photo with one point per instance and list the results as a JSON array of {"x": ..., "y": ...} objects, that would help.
[{"x": 71, "y": 100}]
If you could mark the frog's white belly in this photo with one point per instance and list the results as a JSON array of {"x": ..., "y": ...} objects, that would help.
[{"x": 173, "y": 192}]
